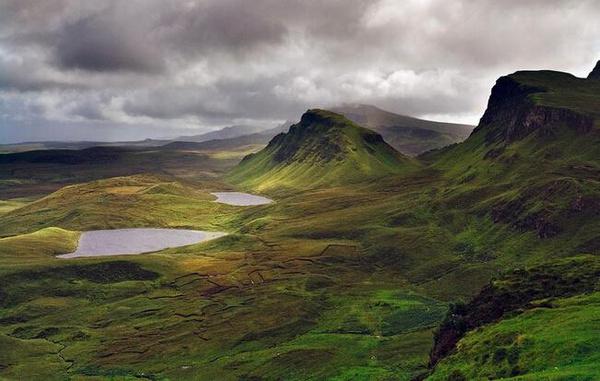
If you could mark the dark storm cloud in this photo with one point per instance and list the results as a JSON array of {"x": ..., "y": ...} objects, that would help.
[
  {"x": 167, "y": 65},
  {"x": 98, "y": 44}
]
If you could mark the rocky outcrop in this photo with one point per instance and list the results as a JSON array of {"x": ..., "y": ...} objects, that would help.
[
  {"x": 318, "y": 137},
  {"x": 595, "y": 74},
  {"x": 512, "y": 114},
  {"x": 547, "y": 207},
  {"x": 516, "y": 291},
  {"x": 309, "y": 138}
]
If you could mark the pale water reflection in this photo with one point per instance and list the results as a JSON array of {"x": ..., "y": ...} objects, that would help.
[
  {"x": 240, "y": 198},
  {"x": 136, "y": 241}
]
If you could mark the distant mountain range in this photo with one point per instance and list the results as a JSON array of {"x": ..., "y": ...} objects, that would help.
[
  {"x": 234, "y": 132},
  {"x": 250, "y": 134},
  {"x": 409, "y": 135}
]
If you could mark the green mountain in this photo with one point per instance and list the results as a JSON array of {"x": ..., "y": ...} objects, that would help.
[
  {"x": 409, "y": 135},
  {"x": 533, "y": 159},
  {"x": 324, "y": 148},
  {"x": 532, "y": 166}
]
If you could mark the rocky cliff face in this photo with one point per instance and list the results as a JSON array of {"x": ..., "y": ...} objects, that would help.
[
  {"x": 320, "y": 136},
  {"x": 512, "y": 115}
]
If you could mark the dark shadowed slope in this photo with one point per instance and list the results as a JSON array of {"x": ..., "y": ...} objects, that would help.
[
  {"x": 324, "y": 149},
  {"x": 409, "y": 135},
  {"x": 595, "y": 73}
]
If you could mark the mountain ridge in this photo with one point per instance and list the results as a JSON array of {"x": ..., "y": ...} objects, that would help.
[
  {"x": 320, "y": 147},
  {"x": 409, "y": 135},
  {"x": 528, "y": 101}
]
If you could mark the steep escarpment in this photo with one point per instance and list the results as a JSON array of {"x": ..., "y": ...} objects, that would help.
[
  {"x": 531, "y": 174},
  {"x": 535, "y": 153},
  {"x": 323, "y": 149},
  {"x": 516, "y": 108}
]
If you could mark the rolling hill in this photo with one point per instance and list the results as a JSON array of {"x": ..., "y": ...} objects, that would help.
[
  {"x": 409, "y": 135},
  {"x": 324, "y": 148}
]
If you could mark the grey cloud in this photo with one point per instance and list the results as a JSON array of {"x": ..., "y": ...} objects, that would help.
[
  {"x": 212, "y": 62},
  {"x": 101, "y": 43}
]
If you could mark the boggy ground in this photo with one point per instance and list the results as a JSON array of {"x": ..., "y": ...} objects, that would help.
[
  {"x": 337, "y": 283},
  {"x": 284, "y": 296}
]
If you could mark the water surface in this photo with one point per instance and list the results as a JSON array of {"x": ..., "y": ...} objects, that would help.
[
  {"x": 135, "y": 241},
  {"x": 240, "y": 199}
]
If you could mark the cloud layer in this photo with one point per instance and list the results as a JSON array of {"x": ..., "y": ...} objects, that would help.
[{"x": 72, "y": 69}]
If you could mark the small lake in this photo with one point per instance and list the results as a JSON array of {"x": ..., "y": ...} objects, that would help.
[
  {"x": 136, "y": 241},
  {"x": 240, "y": 199}
]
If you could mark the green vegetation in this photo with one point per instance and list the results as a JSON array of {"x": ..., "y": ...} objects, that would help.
[
  {"x": 37, "y": 173},
  {"x": 42, "y": 243},
  {"x": 346, "y": 276},
  {"x": 546, "y": 332},
  {"x": 12, "y": 204},
  {"x": 136, "y": 201},
  {"x": 562, "y": 90},
  {"x": 324, "y": 149}
]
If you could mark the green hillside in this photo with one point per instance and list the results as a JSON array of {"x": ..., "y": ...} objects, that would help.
[
  {"x": 136, "y": 201},
  {"x": 532, "y": 166},
  {"x": 531, "y": 324},
  {"x": 323, "y": 149},
  {"x": 532, "y": 162}
]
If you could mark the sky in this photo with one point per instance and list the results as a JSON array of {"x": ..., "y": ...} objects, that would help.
[{"x": 135, "y": 69}]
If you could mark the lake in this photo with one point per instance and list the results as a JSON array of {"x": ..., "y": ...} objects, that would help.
[
  {"x": 240, "y": 198},
  {"x": 136, "y": 241}
]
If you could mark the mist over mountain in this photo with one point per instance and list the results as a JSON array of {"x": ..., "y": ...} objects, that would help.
[{"x": 408, "y": 135}]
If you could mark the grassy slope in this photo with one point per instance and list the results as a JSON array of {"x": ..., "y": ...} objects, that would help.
[
  {"x": 563, "y": 90},
  {"x": 367, "y": 322},
  {"x": 551, "y": 333},
  {"x": 548, "y": 185},
  {"x": 42, "y": 243},
  {"x": 330, "y": 150},
  {"x": 549, "y": 344},
  {"x": 135, "y": 201}
]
